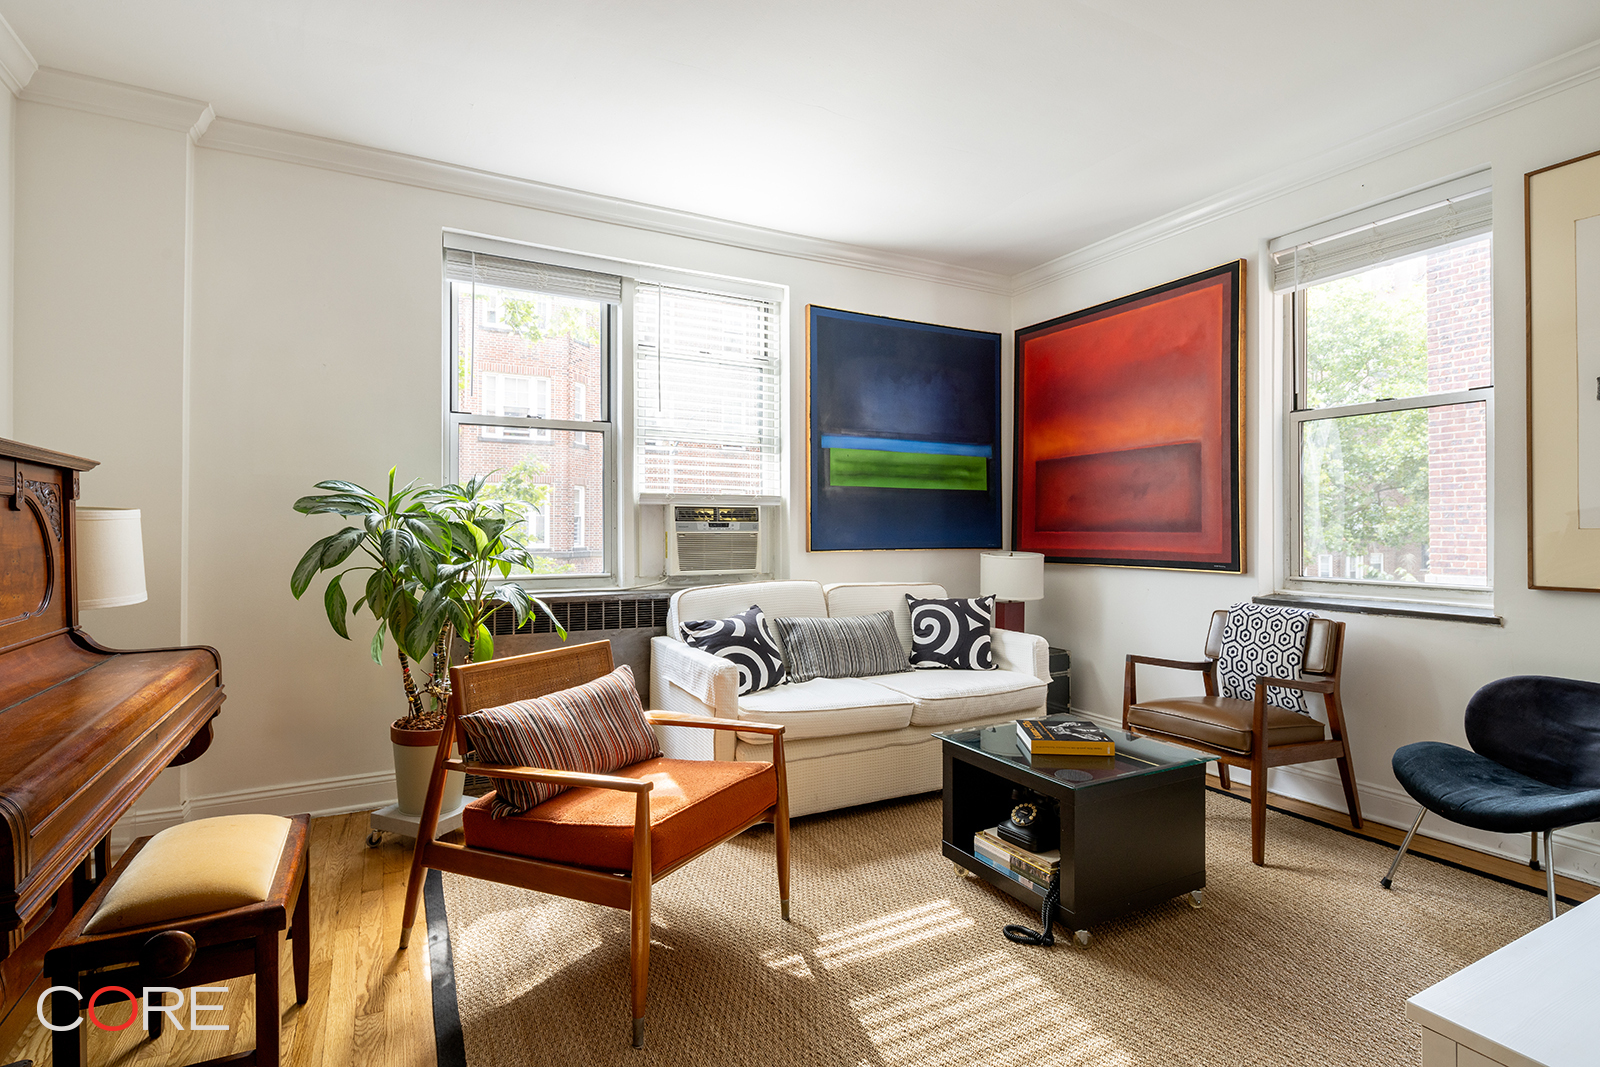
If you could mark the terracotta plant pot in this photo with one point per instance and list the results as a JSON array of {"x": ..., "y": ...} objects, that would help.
[{"x": 413, "y": 765}]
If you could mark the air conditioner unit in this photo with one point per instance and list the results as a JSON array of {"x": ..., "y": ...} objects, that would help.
[{"x": 707, "y": 539}]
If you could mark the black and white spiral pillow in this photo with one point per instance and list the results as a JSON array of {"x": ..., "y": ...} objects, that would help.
[
  {"x": 744, "y": 640},
  {"x": 1263, "y": 641},
  {"x": 952, "y": 633}
]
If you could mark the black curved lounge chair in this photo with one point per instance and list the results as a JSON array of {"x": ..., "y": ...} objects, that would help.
[{"x": 1534, "y": 766}]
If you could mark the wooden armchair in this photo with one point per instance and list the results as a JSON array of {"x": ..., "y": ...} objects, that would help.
[
  {"x": 1253, "y": 734},
  {"x": 626, "y": 844}
]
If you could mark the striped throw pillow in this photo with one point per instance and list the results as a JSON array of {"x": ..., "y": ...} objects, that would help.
[
  {"x": 593, "y": 728},
  {"x": 856, "y": 646}
]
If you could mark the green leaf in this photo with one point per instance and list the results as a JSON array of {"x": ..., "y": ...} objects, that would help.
[
  {"x": 340, "y": 545},
  {"x": 562, "y": 630},
  {"x": 333, "y": 599},
  {"x": 377, "y": 645},
  {"x": 483, "y": 645},
  {"x": 307, "y": 568}
]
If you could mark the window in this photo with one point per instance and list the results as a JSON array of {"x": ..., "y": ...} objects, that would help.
[
  {"x": 552, "y": 333},
  {"x": 1389, "y": 341},
  {"x": 706, "y": 374},
  {"x": 519, "y": 396},
  {"x": 538, "y": 517}
]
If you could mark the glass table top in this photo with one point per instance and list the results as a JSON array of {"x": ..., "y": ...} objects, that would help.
[{"x": 1135, "y": 755}]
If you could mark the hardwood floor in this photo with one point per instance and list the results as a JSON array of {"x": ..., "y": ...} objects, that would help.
[
  {"x": 371, "y": 1003},
  {"x": 1498, "y": 866}
]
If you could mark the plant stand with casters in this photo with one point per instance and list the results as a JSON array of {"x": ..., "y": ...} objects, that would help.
[{"x": 390, "y": 819}]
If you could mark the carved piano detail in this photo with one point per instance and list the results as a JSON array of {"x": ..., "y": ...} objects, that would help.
[{"x": 84, "y": 729}]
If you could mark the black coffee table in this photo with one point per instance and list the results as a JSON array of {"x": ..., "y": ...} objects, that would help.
[{"x": 1132, "y": 825}]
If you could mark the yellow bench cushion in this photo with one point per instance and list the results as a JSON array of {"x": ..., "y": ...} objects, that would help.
[{"x": 194, "y": 869}]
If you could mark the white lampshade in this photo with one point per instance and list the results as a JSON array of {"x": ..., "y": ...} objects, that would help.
[
  {"x": 1011, "y": 575},
  {"x": 110, "y": 558}
]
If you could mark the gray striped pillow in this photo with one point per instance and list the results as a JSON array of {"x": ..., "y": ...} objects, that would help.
[{"x": 857, "y": 646}]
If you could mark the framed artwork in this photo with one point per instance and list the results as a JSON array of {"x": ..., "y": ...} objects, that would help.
[
  {"x": 1563, "y": 227},
  {"x": 1129, "y": 430},
  {"x": 904, "y": 427}
]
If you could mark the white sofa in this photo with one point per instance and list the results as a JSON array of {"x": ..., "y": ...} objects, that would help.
[{"x": 849, "y": 740}]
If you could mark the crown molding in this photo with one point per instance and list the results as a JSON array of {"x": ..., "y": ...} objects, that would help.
[
  {"x": 97, "y": 96},
  {"x": 1546, "y": 79},
  {"x": 266, "y": 142},
  {"x": 17, "y": 65}
]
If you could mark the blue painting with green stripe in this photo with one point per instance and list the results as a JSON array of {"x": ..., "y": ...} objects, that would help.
[{"x": 904, "y": 431}]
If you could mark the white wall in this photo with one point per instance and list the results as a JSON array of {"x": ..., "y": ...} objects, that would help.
[
  {"x": 314, "y": 352},
  {"x": 1405, "y": 679}
]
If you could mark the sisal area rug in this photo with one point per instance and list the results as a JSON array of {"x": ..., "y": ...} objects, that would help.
[{"x": 894, "y": 960}]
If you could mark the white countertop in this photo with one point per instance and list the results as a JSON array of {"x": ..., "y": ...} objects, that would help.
[{"x": 1534, "y": 1003}]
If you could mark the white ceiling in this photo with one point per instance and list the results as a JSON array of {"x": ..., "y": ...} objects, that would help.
[{"x": 997, "y": 134}]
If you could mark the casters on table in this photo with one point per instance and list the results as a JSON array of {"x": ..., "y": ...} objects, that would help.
[
  {"x": 1082, "y": 937},
  {"x": 374, "y": 838},
  {"x": 1194, "y": 898},
  {"x": 961, "y": 872}
]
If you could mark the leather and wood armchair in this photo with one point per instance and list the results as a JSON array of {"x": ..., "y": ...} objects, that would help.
[
  {"x": 1252, "y": 733},
  {"x": 606, "y": 839}
]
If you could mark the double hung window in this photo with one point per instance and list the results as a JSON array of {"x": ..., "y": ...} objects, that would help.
[
  {"x": 523, "y": 333},
  {"x": 1388, "y": 320}
]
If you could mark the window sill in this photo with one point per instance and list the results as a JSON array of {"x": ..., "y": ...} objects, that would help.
[{"x": 1404, "y": 608}]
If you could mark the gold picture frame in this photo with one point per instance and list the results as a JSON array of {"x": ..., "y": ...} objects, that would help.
[{"x": 1562, "y": 214}]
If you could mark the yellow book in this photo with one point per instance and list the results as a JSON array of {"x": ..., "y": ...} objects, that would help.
[{"x": 1064, "y": 737}]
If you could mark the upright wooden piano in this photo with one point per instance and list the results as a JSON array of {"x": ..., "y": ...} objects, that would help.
[{"x": 83, "y": 729}]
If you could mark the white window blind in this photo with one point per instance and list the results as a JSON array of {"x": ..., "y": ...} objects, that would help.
[
  {"x": 537, "y": 277},
  {"x": 1380, "y": 234},
  {"x": 707, "y": 417}
]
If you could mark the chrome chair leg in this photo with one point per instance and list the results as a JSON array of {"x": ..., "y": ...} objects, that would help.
[
  {"x": 1388, "y": 879},
  {"x": 1550, "y": 872}
]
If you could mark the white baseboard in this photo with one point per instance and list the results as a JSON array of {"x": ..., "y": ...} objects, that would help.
[
  {"x": 323, "y": 796},
  {"x": 1577, "y": 850}
]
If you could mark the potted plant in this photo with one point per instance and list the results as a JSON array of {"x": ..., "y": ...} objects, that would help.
[{"x": 431, "y": 557}]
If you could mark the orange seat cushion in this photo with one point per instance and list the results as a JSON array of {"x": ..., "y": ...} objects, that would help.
[{"x": 694, "y": 803}]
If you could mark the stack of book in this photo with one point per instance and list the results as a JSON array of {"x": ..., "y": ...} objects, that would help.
[
  {"x": 1064, "y": 737},
  {"x": 1031, "y": 869}
]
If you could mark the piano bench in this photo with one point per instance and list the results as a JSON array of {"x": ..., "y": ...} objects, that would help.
[{"x": 185, "y": 951}]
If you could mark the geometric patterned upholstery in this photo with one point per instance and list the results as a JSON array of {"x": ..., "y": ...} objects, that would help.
[{"x": 1263, "y": 641}]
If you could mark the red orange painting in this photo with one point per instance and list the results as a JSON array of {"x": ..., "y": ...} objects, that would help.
[{"x": 1129, "y": 431}]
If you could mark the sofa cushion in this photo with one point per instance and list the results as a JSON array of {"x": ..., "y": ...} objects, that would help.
[
  {"x": 825, "y": 707},
  {"x": 952, "y": 633},
  {"x": 868, "y": 598},
  {"x": 942, "y": 697},
  {"x": 857, "y": 647},
  {"x": 694, "y": 802},
  {"x": 721, "y": 601},
  {"x": 744, "y": 640}
]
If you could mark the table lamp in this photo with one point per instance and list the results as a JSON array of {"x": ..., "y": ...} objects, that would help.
[
  {"x": 110, "y": 558},
  {"x": 1012, "y": 578}
]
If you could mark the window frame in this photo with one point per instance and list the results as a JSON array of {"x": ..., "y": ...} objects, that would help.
[
  {"x": 1291, "y": 313},
  {"x": 619, "y": 534}
]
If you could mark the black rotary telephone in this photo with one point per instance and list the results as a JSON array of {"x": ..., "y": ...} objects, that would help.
[{"x": 1035, "y": 825}]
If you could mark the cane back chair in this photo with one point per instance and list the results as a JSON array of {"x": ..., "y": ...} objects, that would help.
[{"x": 630, "y": 844}]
